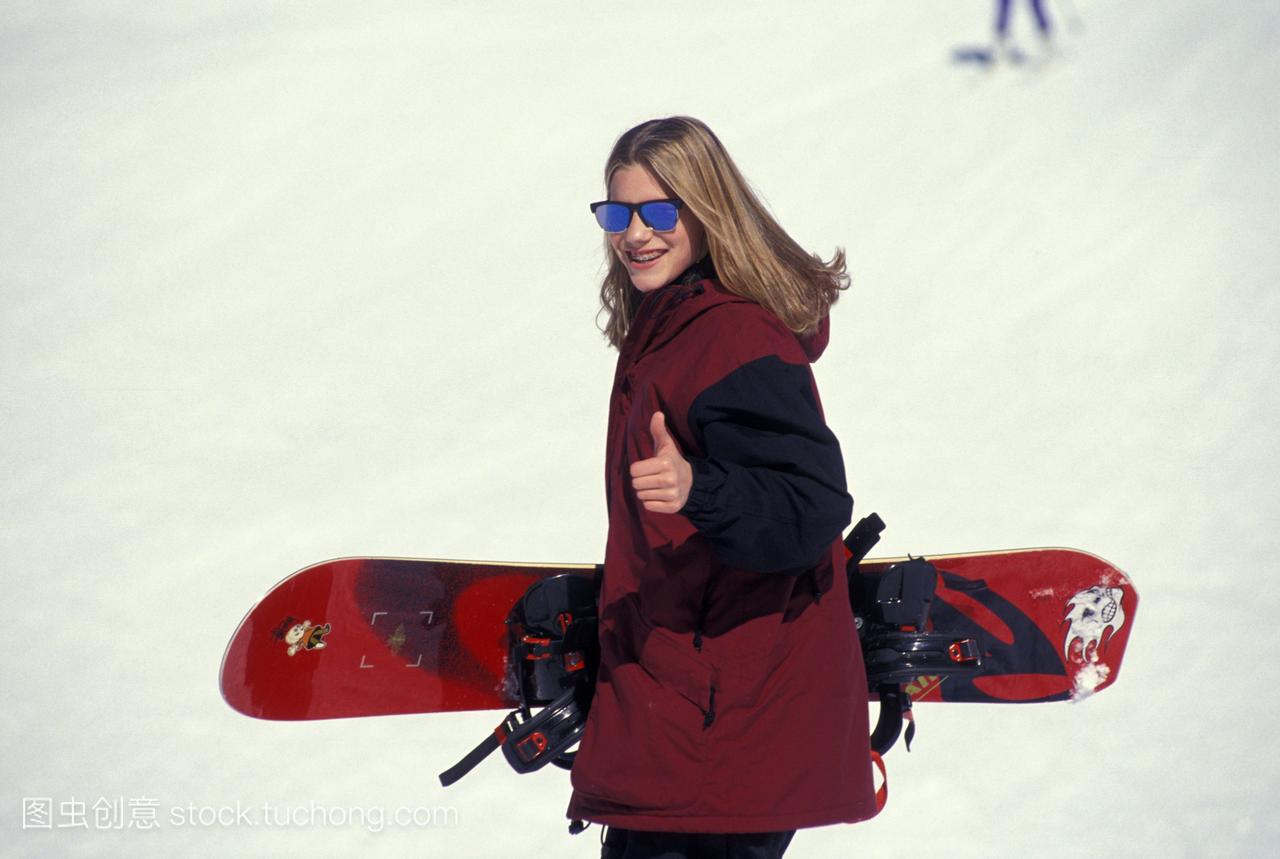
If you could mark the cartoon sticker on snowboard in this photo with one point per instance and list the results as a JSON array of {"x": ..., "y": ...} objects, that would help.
[
  {"x": 1094, "y": 614},
  {"x": 302, "y": 635}
]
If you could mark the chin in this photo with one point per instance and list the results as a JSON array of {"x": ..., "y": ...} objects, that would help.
[
  {"x": 657, "y": 277},
  {"x": 648, "y": 284}
]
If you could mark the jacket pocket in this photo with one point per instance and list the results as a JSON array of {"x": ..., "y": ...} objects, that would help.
[
  {"x": 675, "y": 665},
  {"x": 649, "y": 750}
]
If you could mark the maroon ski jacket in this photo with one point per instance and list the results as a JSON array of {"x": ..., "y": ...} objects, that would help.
[{"x": 731, "y": 694}]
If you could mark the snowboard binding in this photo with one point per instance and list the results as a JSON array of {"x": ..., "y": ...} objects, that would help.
[
  {"x": 891, "y": 613},
  {"x": 552, "y": 654}
]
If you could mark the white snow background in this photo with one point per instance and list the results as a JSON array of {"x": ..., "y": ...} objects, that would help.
[{"x": 284, "y": 282}]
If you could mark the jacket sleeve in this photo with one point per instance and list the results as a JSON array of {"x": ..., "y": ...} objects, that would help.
[{"x": 769, "y": 492}]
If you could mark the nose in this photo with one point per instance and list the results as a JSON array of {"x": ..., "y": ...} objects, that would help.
[{"x": 636, "y": 232}]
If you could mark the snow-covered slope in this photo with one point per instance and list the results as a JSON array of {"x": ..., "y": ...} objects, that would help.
[{"x": 288, "y": 283}]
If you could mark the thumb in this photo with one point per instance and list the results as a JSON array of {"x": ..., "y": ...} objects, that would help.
[{"x": 662, "y": 440}]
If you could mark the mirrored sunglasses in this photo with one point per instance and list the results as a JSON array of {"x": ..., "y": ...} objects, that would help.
[{"x": 660, "y": 215}]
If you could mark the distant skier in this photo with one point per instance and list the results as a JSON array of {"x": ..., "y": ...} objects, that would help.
[
  {"x": 985, "y": 56},
  {"x": 1003, "y": 8}
]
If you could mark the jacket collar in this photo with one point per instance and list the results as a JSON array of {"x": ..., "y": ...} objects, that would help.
[{"x": 664, "y": 312}]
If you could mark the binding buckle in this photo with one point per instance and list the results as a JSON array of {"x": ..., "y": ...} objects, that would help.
[{"x": 964, "y": 651}]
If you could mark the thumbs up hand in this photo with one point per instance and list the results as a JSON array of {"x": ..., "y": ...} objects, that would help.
[{"x": 662, "y": 482}]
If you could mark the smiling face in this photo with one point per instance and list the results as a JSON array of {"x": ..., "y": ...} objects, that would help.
[{"x": 653, "y": 259}]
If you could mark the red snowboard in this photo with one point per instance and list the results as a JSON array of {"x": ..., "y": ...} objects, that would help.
[{"x": 381, "y": 636}]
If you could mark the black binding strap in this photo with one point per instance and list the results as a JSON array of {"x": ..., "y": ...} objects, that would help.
[
  {"x": 531, "y": 741},
  {"x": 473, "y": 758},
  {"x": 863, "y": 536},
  {"x": 894, "y": 704}
]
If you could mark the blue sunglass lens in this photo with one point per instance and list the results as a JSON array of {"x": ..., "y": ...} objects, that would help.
[
  {"x": 660, "y": 216},
  {"x": 613, "y": 217}
]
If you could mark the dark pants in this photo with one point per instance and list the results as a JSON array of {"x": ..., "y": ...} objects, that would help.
[
  {"x": 631, "y": 844},
  {"x": 1002, "y": 16}
]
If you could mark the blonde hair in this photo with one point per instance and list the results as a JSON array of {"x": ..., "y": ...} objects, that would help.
[{"x": 753, "y": 256}]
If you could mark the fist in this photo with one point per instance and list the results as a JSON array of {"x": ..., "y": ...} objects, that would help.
[{"x": 662, "y": 482}]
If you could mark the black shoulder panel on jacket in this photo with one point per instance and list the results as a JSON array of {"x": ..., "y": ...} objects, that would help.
[{"x": 770, "y": 493}]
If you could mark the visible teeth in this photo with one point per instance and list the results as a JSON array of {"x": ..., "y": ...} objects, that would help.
[{"x": 646, "y": 257}]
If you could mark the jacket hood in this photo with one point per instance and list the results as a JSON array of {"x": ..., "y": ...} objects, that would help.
[{"x": 815, "y": 342}]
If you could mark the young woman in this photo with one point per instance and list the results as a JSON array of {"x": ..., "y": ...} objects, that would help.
[{"x": 731, "y": 703}]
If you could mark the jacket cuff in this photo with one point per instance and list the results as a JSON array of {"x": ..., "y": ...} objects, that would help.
[{"x": 707, "y": 480}]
